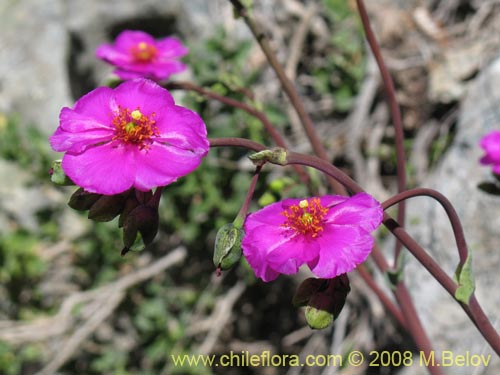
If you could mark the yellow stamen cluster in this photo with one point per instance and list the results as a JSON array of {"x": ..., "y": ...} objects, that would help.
[
  {"x": 133, "y": 127},
  {"x": 306, "y": 218},
  {"x": 144, "y": 52}
]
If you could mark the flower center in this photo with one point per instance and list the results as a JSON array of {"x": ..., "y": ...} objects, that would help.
[
  {"x": 144, "y": 52},
  {"x": 134, "y": 127},
  {"x": 305, "y": 218}
]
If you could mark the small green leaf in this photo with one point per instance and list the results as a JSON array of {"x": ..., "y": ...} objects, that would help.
[
  {"x": 57, "y": 175},
  {"x": 465, "y": 280}
]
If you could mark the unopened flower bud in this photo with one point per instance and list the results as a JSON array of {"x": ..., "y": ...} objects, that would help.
[
  {"x": 326, "y": 302},
  {"x": 82, "y": 200},
  {"x": 275, "y": 155},
  {"x": 227, "y": 251},
  {"x": 142, "y": 220},
  {"x": 307, "y": 289},
  {"x": 130, "y": 204},
  {"x": 318, "y": 319},
  {"x": 107, "y": 207},
  {"x": 57, "y": 175}
]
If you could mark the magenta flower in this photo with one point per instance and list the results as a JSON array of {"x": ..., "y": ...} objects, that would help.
[
  {"x": 137, "y": 54},
  {"x": 130, "y": 136},
  {"x": 331, "y": 234},
  {"x": 491, "y": 145}
]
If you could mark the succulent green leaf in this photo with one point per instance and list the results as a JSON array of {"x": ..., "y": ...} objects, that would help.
[
  {"x": 465, "y": 280},
  {"x": 58, "y": 176}
]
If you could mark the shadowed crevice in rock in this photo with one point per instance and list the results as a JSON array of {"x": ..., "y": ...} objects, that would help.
[
  {"x": 158, "y": 26},
  {"x": 80, "y": 77}
]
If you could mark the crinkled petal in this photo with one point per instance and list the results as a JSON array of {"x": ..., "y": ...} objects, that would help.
[
  {"x": 130, "y": 38},
  {"x": 74, "y": 122},
  {"x": 270, "y": 251},
  {"x": 269, "y": 246},
  {"x": 76, "y": 143},
  {"x": 182, "y": 128},
  {"x": 156, "y": 70},
  {"x": 112, "y": 55},
  {"x": 163, "y": 70},
  {"x": 359, "y": 210},
  {"x": 95, "y": 105},
  {"x": 342, "y": 248},
  {"x": 144, "y": 94},
  {"x": 491, "y": 145},
  {"x": 271, "y": 214},
  {"x": 161, "y": 165},
  {"x": 171, "y": 48},
  {"x": 108, "y": 169}
]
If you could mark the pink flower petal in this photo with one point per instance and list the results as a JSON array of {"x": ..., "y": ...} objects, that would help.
[
  {"x": 162, "y": 70},
  {"x": 112, "y": 55},
  {"x": 94, "y": 105},
  {"x": 76, "y": 143},
  {"x": 182, "y": 128},
  {"x": 171, "y": 48},
  {"x": 72, "y": 121},
  {"x": 144, "y": 94},
  {"x": 104, "y": 170},
  {"x": 130, "y": 38},
  {"x": 342, "y": 249},
  {"x": 491, "y": 145},
  {"x": 275, "y": 247},
  {"x": 360, "y": 210},
  {"x": 161, "y": 165}
]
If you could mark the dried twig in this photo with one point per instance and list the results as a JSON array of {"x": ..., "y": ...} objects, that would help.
[
  {"x": 358, "y": 119},
  {"x": 220, "y": 317},
  {"x": 44, "y": 328}
]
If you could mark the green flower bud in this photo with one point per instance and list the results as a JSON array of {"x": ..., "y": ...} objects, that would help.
[
  {"x": 82, "y": 200},
  {"x": 57, "y": 175},
  {"x": 227, "y": 251},
  {"x": 325, "y": 299},
  {"x": 318, "y": 319}
]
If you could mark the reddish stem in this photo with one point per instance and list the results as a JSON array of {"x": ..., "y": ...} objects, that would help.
[{"x": 395, "y": 114}]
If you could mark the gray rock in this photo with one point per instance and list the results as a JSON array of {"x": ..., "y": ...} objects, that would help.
[
  {"x": 33, "y": 42},
  {"x": 457, "y": 178}
]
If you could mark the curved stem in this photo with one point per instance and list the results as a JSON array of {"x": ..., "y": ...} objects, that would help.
[
  {"x": 458, "y": 231},
  {"x": 242, "y": 214},
  {"x": 395, "y": 114}
]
